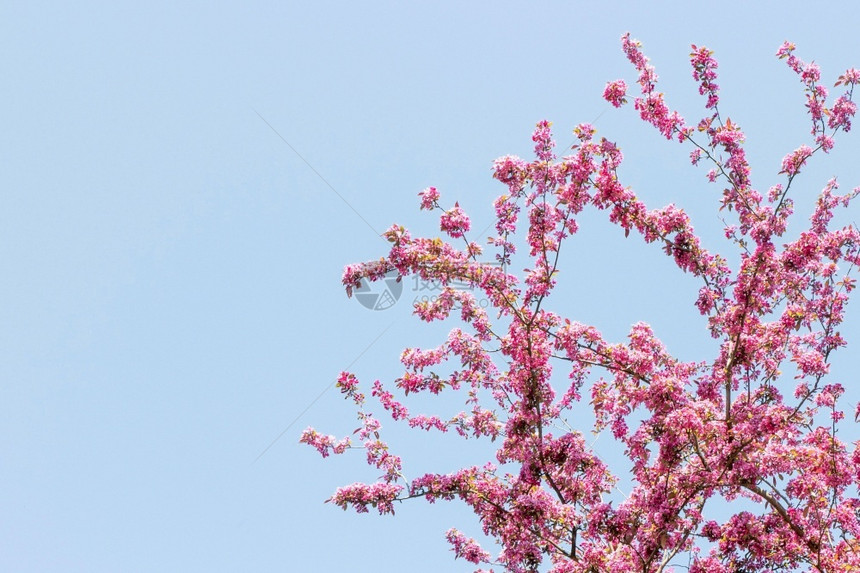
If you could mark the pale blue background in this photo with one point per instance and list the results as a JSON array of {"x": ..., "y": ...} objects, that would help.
[{"x": 170, "y": 297}]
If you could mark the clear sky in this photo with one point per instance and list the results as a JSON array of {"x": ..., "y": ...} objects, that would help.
[{"x": 170, "y": 298}]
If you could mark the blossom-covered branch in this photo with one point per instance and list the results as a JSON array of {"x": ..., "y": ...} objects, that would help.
[{"x": 759, "y": 420}]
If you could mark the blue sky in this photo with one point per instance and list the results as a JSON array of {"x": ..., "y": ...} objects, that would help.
[{"x": 171, "y": 295}]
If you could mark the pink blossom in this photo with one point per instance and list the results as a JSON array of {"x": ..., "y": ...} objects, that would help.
[
  {"x": 841, "y": 114},
  {"x": 792, "y": 162},
  {"x": 380, "y": 496},
  {"x": 585, "y": 131},
  {"x": 467, "y": 548},
  {"x": 615, "y": 92},
  {"x": 429, "y": 198},
  {"x": 543, "y": 141},
  {"x": 810, "y": 74},
  {"x": 785, "y": 50},
  {"x": 825, "y": 142},
  {"x": 348, "y": 384},
  {"x": 325, "y": 445},
  {"x": 704, "y": 72},
  {"x": 510, "y": 170},
  {"x": 851, "y": 77},
  {"x": 455, "y": 222}
]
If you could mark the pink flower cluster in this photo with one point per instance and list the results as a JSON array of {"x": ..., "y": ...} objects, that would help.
[
  {"x": 650, "y": 105},
  {"x": 615, "y": 92},
  {"x": 466, "y": 547},
  {"x": 704, "y": 66},
  {"x": 325, "y": 445},
  {"x": 361, "y": 496},
  {"x": 792, "y": 162},
  {"x": 429, "y": 198},
  {"x": 455, "y": 222},
  {"x": 839, "y": 115},
  {"x": 543, "y": 141}
]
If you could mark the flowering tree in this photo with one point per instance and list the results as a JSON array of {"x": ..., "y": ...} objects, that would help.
[{"x": 732, "y": 427}]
